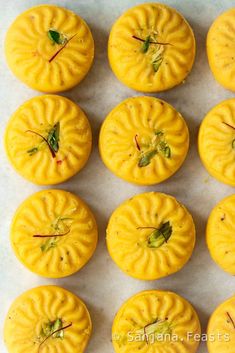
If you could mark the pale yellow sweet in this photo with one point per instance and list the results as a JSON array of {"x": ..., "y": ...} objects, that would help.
[
  {"x": 35, "y": 315},
  {"x": 150, "y": 236},
  {"x": 220, "y": 49},
  {"x": 221, "y": 328},
  {"x": 41, "y": 118},
  {"x": 156, "y": 321},
  {"x": 220, "y": 234},
  {"x": 54, "y": 233},
  {"x": 144, "y": 140},
  {"x": 41, "y": 62},
  {"x": 216, "y": 142},
  {"x": 151, "y": 48}
]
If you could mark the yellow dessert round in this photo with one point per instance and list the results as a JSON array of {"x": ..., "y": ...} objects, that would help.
[
  {"x": 221, "y": 328},
  {"x": 220, "y": 234},
  {"x": 144, "y": 140},
  {"x": 54, "y": 233},
  {"x": 49, "y": 48},
  {"x": 151, "y": 48},
  {"x": 47, "y": 319},
  {"x": 156, "y": 321},
  {"x": 48, "y": 139},
  {"x": 216, "y": 142},
  {"x": 221, "y": 47},
  {"x": 150, "y": 236}
]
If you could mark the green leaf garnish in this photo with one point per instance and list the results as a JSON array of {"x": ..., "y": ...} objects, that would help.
[
  {"x": 60, "y": 229},
  {"x": 159, "y": 133},
  {"x": 167, "y": 152},
  {"x": 55, "y": 327},
  {"x": 160, "y": 236},
  {"x": 146, "y": 43},
  {"x": 233, "y": 144},
  {"x": 157, "y": 63},
  {"x": 52, "y": 140},
  {"x": 165, "y": 149},
  {"x": 54, "y": 137},
  {"x": 156, "y": 328},
  {"x": 157, "y": 55},
  {"x": 146, "y": 157},
  {"x": 52, "y": 329},
  {"x": 157, "y": 144},
  {"x": 32, "y": 151},
  {"x": 49, "y": 244},
  {"x": 56, "y": 37}
]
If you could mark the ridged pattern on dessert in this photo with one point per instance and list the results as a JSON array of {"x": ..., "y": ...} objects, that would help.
[
  {"x": 221, "y": 328},
  {"x": 145, "y": 307},
  {"x": 124, "y": 239},
  {"x": 40, "y": 114},
  {"x": 36, "y": 215},
  {"x": 38, "y": 306},
  {"x": 221, "y": 46},
  {"x": 215, "y": 141},
  {"x": 220, "y": 234},
  {"x": 142, "y": 116},
  {"x": 134, "y": 67},
  {"x": 29, "y": 50}
]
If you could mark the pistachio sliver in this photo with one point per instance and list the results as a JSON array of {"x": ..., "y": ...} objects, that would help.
[
  {"x": 160, "y": 236},
  {"x": 146, "y": 157},
  {"x": 56, "y": 37}
]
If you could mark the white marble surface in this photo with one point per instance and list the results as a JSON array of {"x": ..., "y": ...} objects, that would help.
[{"x": 101, "y": 284}]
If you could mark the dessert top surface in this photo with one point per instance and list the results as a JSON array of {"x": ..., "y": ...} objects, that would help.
[
  {"x": 47, "y": 318},
  {"x": 48, "y": 139},
  {"x": 144, "y": 140},
  {"x": 54, "y": 233},
  {"x": 151, "y": 47},
  {"x": 49, "y": 48}
]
